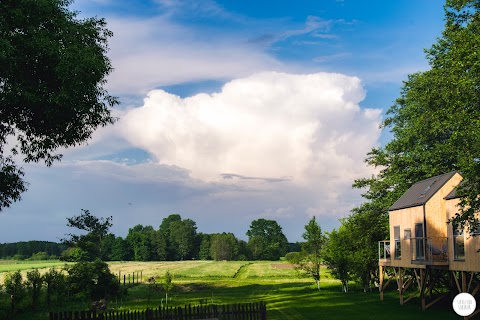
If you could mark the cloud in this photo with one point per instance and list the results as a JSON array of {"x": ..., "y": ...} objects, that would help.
[
  {"x": 270, "y": 125},
  {"x": 272, "y": 145}
]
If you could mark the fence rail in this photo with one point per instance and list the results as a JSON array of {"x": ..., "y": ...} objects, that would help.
[{"x": 250, "y": 311}]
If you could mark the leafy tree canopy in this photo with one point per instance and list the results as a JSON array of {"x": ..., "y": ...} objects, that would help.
[
  {"x": 52, "y": 70},
  {"x": 266, "y": 239},
  {"x": 436, "y": 121},
  {"x": 97, "y": 230}
]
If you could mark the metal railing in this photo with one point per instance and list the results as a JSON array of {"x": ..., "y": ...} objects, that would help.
[
  {"x": 384, "y": 250},
  {"x": 429, "y": 250}
]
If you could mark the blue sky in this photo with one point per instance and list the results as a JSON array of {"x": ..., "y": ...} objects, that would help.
[{"x": 233, "y": 111}]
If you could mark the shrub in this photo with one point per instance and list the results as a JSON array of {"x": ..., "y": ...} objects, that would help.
[
  {"x": 34, "y": 286},
  {"x": 56, "y": 284},
  {"x": 294, "y": 257},
  {"x": 74, "y": 255},
  {"x": 14, "y": 286},
  {"x": 92, "y": 280},
  {"x": 40, "y": 256}
]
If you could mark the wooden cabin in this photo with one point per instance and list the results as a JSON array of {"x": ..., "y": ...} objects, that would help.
[{"x": 422, "y": 240}]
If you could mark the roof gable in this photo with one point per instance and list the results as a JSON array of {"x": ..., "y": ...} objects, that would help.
[{"x": 421, "y": 192}]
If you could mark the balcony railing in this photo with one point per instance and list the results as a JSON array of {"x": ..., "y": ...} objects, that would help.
[
  {"x": 432, "y": 250},
  {"x": 384, "y": 250},
  {"x": 429, "y": 250}
]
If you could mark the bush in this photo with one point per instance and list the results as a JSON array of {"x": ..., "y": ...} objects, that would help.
[
  {"x": 19, "y": 257},
  {"x": 40, "y": 256},
  {"x": 294, "y": 257},
  {"x": 14, "y": 287},
  {"x": 56, "y": 284},
  {"x": 92, "y": 280},
  {"x": 34, "y": 286},
  {"x": 74, "y": 255}
]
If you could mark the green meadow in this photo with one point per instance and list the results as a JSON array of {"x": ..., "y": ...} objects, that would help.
[{"x": 288, "y": 294}]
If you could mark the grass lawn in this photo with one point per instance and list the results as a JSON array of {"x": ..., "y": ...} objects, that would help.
[{"x": 288, "y": 294}]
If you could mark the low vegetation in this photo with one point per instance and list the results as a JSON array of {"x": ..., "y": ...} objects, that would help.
[{"x": 289, "y": 294}]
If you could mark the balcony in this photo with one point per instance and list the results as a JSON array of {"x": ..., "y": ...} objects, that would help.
[
  {"x": 420, "y": 251},
  {"x": 429, "y": 251},
  {"x": 384, "y": 256}
]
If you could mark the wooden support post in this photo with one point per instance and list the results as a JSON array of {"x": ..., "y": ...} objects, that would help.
[
  {"x": 400, "y": 284},
  {"x": 380, "y": 286},
  {"x": 464, "y": 281},
  {"x": 423, "y": 282}
]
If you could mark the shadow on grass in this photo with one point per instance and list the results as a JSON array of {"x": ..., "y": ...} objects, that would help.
[
  {"x": 301, "y": 300},
  {"x": 285, "y": 300}
]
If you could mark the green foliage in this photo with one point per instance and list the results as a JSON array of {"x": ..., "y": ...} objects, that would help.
[
  {"x": 14, "y": 286},
  {"x": 90, "y": 243},
  {"x": 52, "y": 70},
  {"x": 338, "y": 256},
  {"x": 266, "y": 240},
  {"x": 74, "y": 255},
  {"x": 92, "y": 280},
  {"x": 34, "y": 286},
  {"x": 436, "y": 120},
  {"x": 140, "y": 239},
  {"x": 312, "y": 247},
  {"x": 40, "y": 256},
  {"x": 182, "y": 237},
  {"x": 30, "y": 248},
  {"x": 294, "y": 257},
  {"x": 56, "y": 286},
  {"x": 223, "y": 246}
]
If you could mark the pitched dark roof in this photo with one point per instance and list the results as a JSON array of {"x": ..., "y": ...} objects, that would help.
[
  {"x": 421, "y": 192},
  {"x": 453, "y": 194}
]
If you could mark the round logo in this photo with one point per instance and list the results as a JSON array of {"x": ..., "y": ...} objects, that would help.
[{"x": 464, "y": 304}]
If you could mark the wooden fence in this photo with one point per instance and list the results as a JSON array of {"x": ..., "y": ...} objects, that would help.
[{"x": 248, "y": 311}]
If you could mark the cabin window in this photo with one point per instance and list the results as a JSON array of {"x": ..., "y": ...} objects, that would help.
[
  {"x": 407, "y": 234},
  {"x": 458, "y": 243},
  {"x": 396, "y": 236},
  {"x": 419, "y": 242}
]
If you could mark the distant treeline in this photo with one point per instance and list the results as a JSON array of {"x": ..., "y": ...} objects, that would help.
[
  {"x": 27, "y": 249},
  {"x": 175, "y": 239}
]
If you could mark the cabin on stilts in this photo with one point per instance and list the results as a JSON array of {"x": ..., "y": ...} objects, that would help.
[{"x": 424, "y": 250}]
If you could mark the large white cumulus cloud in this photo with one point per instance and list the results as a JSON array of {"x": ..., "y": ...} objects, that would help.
[{"x": 269, "y": 125}]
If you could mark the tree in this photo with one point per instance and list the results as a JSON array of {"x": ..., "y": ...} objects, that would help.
[
  {"x": 97, "y": 230},
  {"x": 164, "y": 229},
  {"x": 266, "y": 240},
  {"x": 204, "y": 247},
  {"x": 436, "y": 121},
  {"x": 312, "y": 248},
  {"x": 52, "y": 70},
  {"x": 56, "y": 284},
  {"x": 14, "y": 286},
  {"x": 337, "y": 255},
  {"x": 92, "y": 280},
  {"x": 140, "y": 240},
  {"x": 183, "y": 237},
  {"x": 223, "y": 246},
  {"x": 167, "y": 285},
  {"x": 34, "y": 286}
]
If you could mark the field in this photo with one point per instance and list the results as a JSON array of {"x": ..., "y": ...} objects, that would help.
[{"x": 288, "y": 294}]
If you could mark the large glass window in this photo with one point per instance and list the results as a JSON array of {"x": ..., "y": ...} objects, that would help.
[
  {"x": 458, "y": 243},
  {"x": 420, "y": 242},
  {"x": 398, "y": 245}
]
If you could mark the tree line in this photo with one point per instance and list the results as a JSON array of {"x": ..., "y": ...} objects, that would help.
[
  {"x": 175, "y": 239},
  {"x": 38, "y": 250}
]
